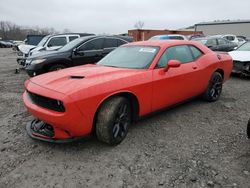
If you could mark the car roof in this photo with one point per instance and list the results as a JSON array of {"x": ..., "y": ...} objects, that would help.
[
  {"x": 126, "y": 38},
  {"x": 209, "y": 37},
  {"x": 62, "y": 34},
  {"x": 161, "y": 43},
  {"x": 169, "y": 35}
]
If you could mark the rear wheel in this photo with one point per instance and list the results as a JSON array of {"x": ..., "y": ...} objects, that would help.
[
  {"x": 214, "y": 88},
  {"x": 56, "y": 67},
  {"x": 248, "y": 129},
  {"x": 113, "y": 120}
]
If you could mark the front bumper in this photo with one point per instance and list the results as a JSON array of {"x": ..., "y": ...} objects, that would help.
[
  {"x": 34, "y": 70},
  {"x": 241, "y": 68},
  {"x": 35, "y": 134},
  {"x": 66, "y": 125}
]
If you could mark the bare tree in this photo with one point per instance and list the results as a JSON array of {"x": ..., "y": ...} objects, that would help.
[
  {"x": 139, "y": 25},
  {"x": 12, "y": 31}
]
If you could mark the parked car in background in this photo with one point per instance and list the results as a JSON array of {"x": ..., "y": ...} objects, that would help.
[
  {"x": 30, "y": 42},
  {"x": 233, "y": 38},
  {"x": 169, "y": 37},
  {"x": 48, "y": 43},
  {"x": 132, "y": 81},
  {"x": 241, "y": 59},
  {"x": 54, "y": 42},
  {"x": 6, "y": 43},
  {"x": 216, "y": 43},
  {"x": 191, "y": 37},
  {"x": 16, "y": 43},
  {"x": 81, "y": 51},
  {"x": 34, "y": 39}
]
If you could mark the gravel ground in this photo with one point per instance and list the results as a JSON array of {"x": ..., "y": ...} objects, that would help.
[{"x": 196, "y": 144}]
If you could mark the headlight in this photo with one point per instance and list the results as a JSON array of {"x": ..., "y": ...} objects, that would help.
[{"x": 37, "y": 61}]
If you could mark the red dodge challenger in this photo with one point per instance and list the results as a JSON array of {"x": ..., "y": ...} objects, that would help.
[{"x": 132, "y": 81}]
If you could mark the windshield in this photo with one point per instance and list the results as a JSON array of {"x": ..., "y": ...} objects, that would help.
[
  {"x": 43, "y": 41},
  {"x": 72, "y": 44},
  {"x": 134, "y": 57},
  {"x": 244, "y": 47},
  {"x": 160, "y": 37}
]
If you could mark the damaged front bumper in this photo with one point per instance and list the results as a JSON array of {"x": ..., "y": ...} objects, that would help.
[
  {"x": 242, "y": 68},
  {"x": 40, "y": 130}
]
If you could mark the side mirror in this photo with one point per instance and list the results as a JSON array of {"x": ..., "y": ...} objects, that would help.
[
  {"x": 76, "y": 52},
  {"x": 172, "y": 64}
]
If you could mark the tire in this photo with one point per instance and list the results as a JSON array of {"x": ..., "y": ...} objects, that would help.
[
  {"x": 113, "y": 120},
  {"x": 214, "y": 88},
  {"x": 56, "y": 67},
  {"x": 248, "y": 129}
]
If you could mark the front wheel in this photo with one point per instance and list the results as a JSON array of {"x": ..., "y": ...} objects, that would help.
[
  {"x": 113, "y": 120},
  {"x": 214, "y": 88},
  {"x": 248, "y": 129},
  {"x": 56, "y": 67}
]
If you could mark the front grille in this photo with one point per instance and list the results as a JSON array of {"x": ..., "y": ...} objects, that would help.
[
  {"x": 45, "y": 102},
  {"x": 241, "y": 66}
]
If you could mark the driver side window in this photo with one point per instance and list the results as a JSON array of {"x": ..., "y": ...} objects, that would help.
[
  {"x": 57, "y": 41},
  {"x": 96, "y": 44},
  {"x": 181, "y": 53}
]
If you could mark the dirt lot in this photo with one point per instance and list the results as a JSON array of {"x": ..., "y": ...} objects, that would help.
[{"x": 197, "y": 144}]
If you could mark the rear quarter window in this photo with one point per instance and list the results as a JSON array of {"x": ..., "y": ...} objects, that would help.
[{"x": 196, "y": 52}]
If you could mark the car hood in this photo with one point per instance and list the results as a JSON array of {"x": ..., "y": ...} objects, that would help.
[
  {"x": 24, "y": 48},
  {"x": 240, "y": 55},
  {"x": 45, "y": 54},
  {"x": 71, "y": 80},
  {"x": 42, "y": 49}
]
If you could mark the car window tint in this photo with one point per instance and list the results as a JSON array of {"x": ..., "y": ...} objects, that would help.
[
  {"x": 95, "y": 44},
  {"x": 110, "y": 43},
  {"x": 180, "y": 53},
  {"x": 57, "y": 41},
  {"x": 176, "y": 37},
  {"x": 196, "y": 52},
  {"x": 120, "y": 42},
  {"x": 72, "y": 38},
  {"x": 231, "y": 38}
]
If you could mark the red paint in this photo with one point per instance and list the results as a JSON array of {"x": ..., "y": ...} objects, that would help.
[{"x": 153, "y": 88}]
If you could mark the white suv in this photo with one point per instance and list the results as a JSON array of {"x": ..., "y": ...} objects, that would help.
[
  {"x": 49, "y": 42},
  {"x": 234, "y": 39},
  {"x": 54, "y": 42}
]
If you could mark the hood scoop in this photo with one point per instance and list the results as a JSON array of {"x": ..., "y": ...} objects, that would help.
[{"x": 76, "y": 77}]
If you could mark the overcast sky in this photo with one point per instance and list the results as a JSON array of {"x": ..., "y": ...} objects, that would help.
[{"x": 117, "y": 16}]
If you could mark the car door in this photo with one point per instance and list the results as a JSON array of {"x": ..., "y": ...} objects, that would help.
[
  {"x": 176, "y": 84},
  {"x": 89, "y": 52},
  {"x": 212, "y": 44},
  {"x": 224, "y": 45},
  {"x": 56, "y": 42}
]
